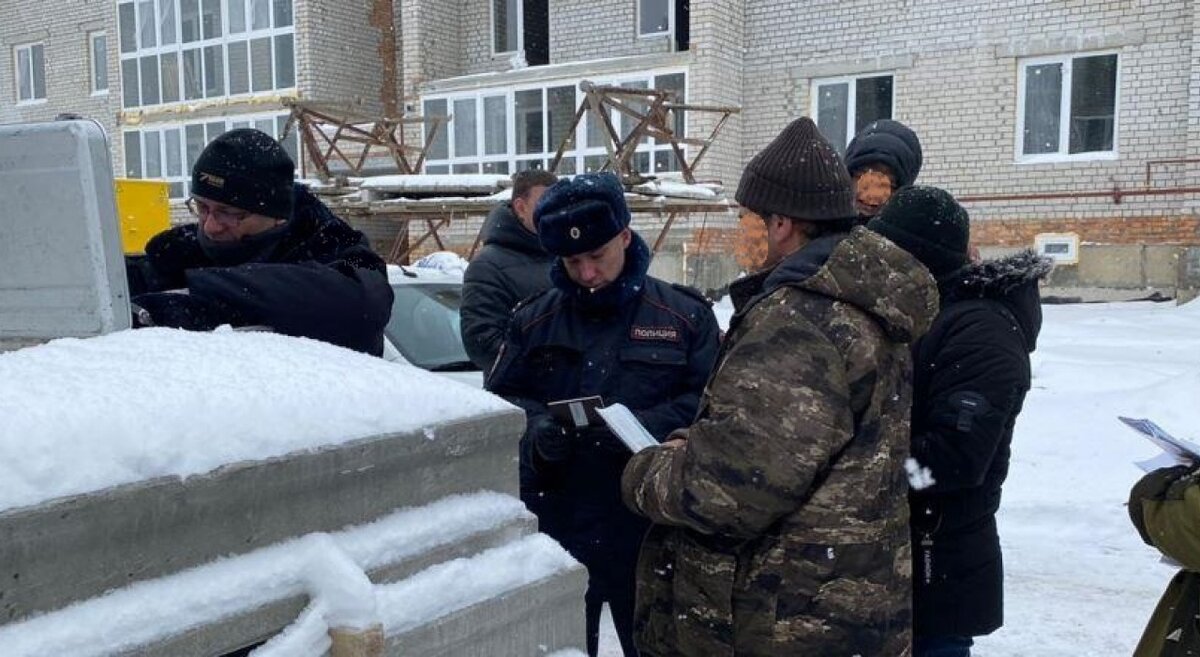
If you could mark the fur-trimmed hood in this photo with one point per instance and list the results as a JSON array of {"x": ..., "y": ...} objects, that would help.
[{"x": 1012, "y": 280}]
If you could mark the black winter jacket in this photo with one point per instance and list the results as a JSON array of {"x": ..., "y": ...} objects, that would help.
[
  {"x": 511, "y": 267},
  {"x": 653, "y": 354},
  {"x": 319, "y": 280},
  {"x": 970, "y": 375}
]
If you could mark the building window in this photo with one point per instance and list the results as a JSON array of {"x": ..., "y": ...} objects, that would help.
[
  {"x": 507, "y": 16},
  {"x": 31, "y": 72},
  {"x": 98, "y": 57},
  {"x": 167, "y": 152},
  {"x": 655, "y": 17},
  {"x": 188, "y": 50},
  {"x": 504, "y": 130},
  {"x": 844, "y": 106},
  {"x": 1068, "y": 107}
]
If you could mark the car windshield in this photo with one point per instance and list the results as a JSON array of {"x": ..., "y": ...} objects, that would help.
[{"x": 424, "y": 326}]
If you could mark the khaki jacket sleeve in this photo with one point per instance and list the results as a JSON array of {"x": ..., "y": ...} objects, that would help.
[
  {"x": 1171, "y": 521},
  {"x": 777, "y": 412}
]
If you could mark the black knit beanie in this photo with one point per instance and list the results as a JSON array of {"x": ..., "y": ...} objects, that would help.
[
  {"x": 247, "y": 169},
  {"x": 798, "y": 175},
  {"x": 886, "y": 142},
  {"x": 928, "y": 223}
]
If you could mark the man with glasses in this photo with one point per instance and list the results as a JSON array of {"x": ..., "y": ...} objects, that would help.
[{"x": 264, "y": 252}]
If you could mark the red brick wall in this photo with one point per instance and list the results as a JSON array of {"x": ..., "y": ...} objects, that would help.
[{"x": 1183, "y": 231}]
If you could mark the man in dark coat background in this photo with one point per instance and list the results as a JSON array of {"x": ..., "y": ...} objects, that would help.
[
  {"x": 605, "y": 328},
  {"x": 882, "y": 157},
  {"x": 511, "y": 267},
  {"x": 970, "y": 375},
  {"x": 264, "y": 252}
]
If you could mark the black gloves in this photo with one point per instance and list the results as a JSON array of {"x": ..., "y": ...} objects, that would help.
[
  {"x": 1153, "y": 486},
  {"x": 177, "y": 310},
  {"x": 551, "y": 441}
]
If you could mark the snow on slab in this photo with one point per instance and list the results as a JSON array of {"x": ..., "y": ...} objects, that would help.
[
  {"x": 84, "y": 415},
  {"x": 434, "y": 183},
  {"x": 157, "y": 609},
  {"x": 461, "y": 583},
  {"x": 447, "y": 262},
  {"x": 674, "y": 189}
]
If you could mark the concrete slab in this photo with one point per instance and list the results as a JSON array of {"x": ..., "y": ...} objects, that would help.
[{"x": 60, "y": 552}]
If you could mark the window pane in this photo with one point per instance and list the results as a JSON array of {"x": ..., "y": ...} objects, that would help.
[
  {"x": 1093, "y": 103},
  {"x": 128, "y": 28},
  {"x": 194, "y": 143},
  {"x": 465, "y": 125},
  {"x": 437, "y": 169},
  {"x": 193, "y": 86},
  {"x": 239, "y": 68},
  {"x": 665, "y": 161},
  {"x": 174, "y": 162},
  {"x": 566, "y": 167},
  {"x": 597, "y": 133},
  {"x": 528, "y": 115},
  {"x": 637, "y": 104},
  {"x": 495, "y": 126},
  {"x": 531, "y": 165},
  {"x": 175, "y": 190},
  {"x": 147, "y": 28},
  {"x": 260, "y": 14},
  {"x": 149, "y": 71},
  {"x": 39, "y": 71},
  {"x": 291, "y": 142},
  {"x": 560, "y": 103},
  {"x": 1043, "y": 104},
  {"x": 236, "y": 10},
  {"x": 833, "y": 101},
  {"x": 99, "y": 63},
  {"x": 495, "y": 168},
  {"x": 285, "y": 62},
  {"x": 466, "y": 168},
  {"x": 505, "y": 23},
  {"x": 189, "y": 20},
  {"x": 265, "y": 125},
  {"x": 129, "y": 83},
  {"x": 260, "y": 64},
  {"x": 594, "y": 163},
  {"x": 654, "y": 16},
  {"x": 214, "y": 129},
  {"x": 153, "y": 154},
  {"x": 214, "y": 72},
  {"x": 440, "y": 148},
  {"x": 24, "y": 74},
  {"x": 166, "y": 22},
  {"x": 168, "y": 66},
  {"x": 641, "y": 162},
  {"x": 133, "y": 155},
  {"x": 210, "y": 18},
  {"x": 283, "y": 13},
  {"x": 873, "y": 100},
  {"x": 675, "y": 83}
]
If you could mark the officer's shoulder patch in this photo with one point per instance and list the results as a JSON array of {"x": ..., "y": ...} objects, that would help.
[{"x": 692, "y": 292}]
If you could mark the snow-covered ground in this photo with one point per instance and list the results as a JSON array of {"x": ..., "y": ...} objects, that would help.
[{"x": 1079, "y": 581}]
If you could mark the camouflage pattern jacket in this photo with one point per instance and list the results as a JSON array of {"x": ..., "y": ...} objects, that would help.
[{"x": 781, "y": 527}]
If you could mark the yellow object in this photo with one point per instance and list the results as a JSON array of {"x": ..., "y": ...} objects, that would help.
[{"x": 143, "y": 211}]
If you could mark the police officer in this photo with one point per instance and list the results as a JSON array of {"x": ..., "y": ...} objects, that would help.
[{"x": 605, "y": 328}]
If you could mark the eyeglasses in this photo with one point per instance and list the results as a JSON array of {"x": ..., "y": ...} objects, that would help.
[{"x": 222, "y": 216}]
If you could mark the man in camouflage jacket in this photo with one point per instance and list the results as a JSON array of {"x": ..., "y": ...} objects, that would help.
[{"x": 780, "y": 518}]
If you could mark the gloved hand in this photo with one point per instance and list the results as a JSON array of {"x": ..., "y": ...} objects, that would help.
[
  {"x": 183, "y": 311},
  {"x": 551, "y": 441},
  {"x": 1153, "y": 486}
]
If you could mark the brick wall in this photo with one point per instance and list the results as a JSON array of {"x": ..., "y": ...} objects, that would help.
[
  {"x": 1181, "y": 231},
  {"x": 345, "y": 52},
  {"x": 431, "y": 41},
  {"x": 717, "y": 38},
  {"x": 64, "y": 33},
  {"x": 586, "y": 29}
]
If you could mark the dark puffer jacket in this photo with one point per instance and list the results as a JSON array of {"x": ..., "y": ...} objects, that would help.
[
  {"x": 970, "y": 375},
  {"x": 511, "y": 267},
  {"x": 320, "y": 280}
]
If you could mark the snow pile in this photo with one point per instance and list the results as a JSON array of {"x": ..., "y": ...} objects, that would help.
[
  {"x": 675, "y": 189},
  {"x": 438, "y": 183},
  {"x": 168, "y": 606},
  {"x": 83, "y": 415},
  {"x": 444, "y": 261}
]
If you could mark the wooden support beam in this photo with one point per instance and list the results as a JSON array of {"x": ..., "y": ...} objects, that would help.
[{"x": 357, "y": 643}]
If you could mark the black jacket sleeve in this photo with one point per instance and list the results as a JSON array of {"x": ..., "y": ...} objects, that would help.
[
  {"x": 487, "y": 305},
  {"x": 680, "y": 410},
  {"x": 978, "y": 378}
]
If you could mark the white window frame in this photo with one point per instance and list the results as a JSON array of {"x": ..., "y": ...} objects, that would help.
[
  {"x": 33, "y": 98},
  {"x": 186, "y": 174},
  {"x": 1064, "y": 122},
  {"x": 97, "y": 66},
  {"x": 179, "y": 47},
  {"x": 578, "y": 154},
  {"x": 520, "y": 30},
  {"x": 1042, "y": 242},
  {"x": 669, "y": 32},
  {"x": 851, "y": 97}
]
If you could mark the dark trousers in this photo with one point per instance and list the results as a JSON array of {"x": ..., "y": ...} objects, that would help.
[
  {"x": 616, "y": 586},
  {"x": 942, "y": 646}
]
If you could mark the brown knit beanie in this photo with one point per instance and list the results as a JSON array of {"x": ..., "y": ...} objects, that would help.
[{"x": 798, "y": 175}]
